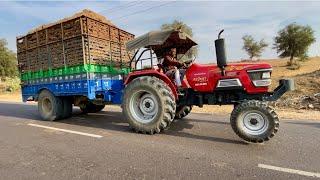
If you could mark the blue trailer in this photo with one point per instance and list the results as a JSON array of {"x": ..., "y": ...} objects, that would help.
[
  {"x": 88, "y": 90},
  {"x": 94, "y": 86}
]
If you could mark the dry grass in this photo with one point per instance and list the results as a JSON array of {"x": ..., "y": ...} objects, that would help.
[
  {"x": 283, "y": 113},
  {"x": 11, "y": 97},
  {"x": 280, "y": 67}
]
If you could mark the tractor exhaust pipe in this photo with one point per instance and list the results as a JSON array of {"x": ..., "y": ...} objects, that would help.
[{"x": 221, "y": 53}]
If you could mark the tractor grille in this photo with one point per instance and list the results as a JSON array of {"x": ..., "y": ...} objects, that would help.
[
  {"x": 229, "y": 83},
  {"x": 255, "y": 75}
]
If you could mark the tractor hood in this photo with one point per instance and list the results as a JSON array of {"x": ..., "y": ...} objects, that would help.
[{"x": 247, "y": 66}]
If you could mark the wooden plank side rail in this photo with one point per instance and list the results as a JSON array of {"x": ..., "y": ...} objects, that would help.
[{"x": 81, "y": 40}]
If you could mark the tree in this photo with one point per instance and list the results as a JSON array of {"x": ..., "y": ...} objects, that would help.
[
  {"x": 294, "y": 41},
  {"x": 179, "y": 25},
  {"x": 252, "y": 47},
  {"x": 8, "y": 61}
]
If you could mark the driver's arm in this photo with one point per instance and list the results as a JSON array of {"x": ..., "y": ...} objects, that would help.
[{"x": 169, "y": 61}]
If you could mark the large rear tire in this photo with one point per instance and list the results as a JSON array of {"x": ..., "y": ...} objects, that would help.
[
  {"x": 67, "y": 107},
  {"x": 182, "y": 111},
  {"x": 148, "y": 105},
  {"x": 254, "y": 121},
  {"x": 50, "y": 107}
]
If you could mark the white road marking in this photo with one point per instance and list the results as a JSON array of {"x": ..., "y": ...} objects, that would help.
[
  {"x": 66, "y": 130},
  {"x": 287, "y": 170}
]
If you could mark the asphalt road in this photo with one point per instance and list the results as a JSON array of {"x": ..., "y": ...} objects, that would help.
[{"x": 101, "y": 146}]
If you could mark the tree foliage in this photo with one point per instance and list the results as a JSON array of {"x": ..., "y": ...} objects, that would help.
[
  {"x": 252, "y": 47},
  {"x": 179, "y": 25},
  {"x": 8, "y": 61},
  {"x": 294, "y": 41}
]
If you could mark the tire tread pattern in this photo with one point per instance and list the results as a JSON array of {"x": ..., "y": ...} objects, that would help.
[
  {"x": 57, "y": 106},
  {"x": 260, "y": 106},
  {"x": 166, "y": 97}
]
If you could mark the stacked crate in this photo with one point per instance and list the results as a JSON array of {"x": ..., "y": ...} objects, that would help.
[{"x": 82, "y": 39}]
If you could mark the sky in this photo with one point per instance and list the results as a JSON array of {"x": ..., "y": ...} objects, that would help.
[{"x": 261, "y": 19}]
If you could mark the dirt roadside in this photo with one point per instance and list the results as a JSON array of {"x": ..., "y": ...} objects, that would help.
[{"x": 283, "y": 113}]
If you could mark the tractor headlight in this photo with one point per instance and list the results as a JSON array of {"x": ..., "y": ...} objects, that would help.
[
  {"x": 260, "y": 77},
  {"x": 266, "y": 75}
]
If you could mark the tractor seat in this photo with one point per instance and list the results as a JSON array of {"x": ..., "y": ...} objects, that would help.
[{"x": 160, "y": 66}]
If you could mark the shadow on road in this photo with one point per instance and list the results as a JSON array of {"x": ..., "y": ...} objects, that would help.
[
  {"x": 176, "y": 129},
  {"x": 209, "y": 121},
  {"x": 312, "y": 124},
  {"x": 111, "y": 120}
]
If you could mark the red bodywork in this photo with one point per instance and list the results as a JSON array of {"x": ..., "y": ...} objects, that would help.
[{"x": 204, "y": 78}]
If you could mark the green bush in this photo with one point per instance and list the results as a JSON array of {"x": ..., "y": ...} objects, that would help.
[
  {"x": 9, "y": 84},
  {"x": 8, "y": 61}
]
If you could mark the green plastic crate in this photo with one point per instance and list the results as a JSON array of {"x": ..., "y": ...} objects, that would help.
[{"x": 106, "y": 69}]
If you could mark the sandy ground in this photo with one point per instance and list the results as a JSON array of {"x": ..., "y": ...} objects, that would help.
[{"x": 283, "y": 113}]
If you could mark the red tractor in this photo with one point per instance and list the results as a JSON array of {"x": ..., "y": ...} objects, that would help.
[{"x": 151, "y": 99}]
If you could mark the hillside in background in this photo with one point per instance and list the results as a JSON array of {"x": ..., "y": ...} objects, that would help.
[{"x": 307, "y": 82}]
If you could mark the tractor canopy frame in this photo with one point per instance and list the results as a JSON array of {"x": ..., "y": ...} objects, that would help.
[{"x": 157, "y": 43}]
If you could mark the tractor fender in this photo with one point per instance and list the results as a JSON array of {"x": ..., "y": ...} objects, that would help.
[{"x": 152, "y": 72}]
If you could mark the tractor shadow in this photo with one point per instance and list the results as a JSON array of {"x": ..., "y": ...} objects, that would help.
[
  {"x": 113, "y": 120},
  {"x": 179, "y": 127}
]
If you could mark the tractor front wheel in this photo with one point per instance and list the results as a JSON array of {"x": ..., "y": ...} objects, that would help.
[
  {"x": 148, "y": 105},
  {"x": 254, "y": 121}
]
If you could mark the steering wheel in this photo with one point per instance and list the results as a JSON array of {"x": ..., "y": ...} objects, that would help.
[{"x": 188, "y": 63}]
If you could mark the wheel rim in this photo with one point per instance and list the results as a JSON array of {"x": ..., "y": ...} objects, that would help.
[
  {"x": 254, "y": 123},
  {"x": 46, "y": 105},
  {"x": 143, "y": 106}
]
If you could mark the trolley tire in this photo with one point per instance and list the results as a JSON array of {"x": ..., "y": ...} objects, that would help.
[
  {"x": 91, "y": 108},
  {"x": 67, "y": 107},
  {"x": 50, "y": 107}
]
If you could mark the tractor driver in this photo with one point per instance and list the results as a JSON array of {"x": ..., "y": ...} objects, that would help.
[{"x": 171, "y": 66}]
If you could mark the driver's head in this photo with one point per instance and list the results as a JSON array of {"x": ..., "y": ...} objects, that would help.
[{"x": 173, "y": 51}]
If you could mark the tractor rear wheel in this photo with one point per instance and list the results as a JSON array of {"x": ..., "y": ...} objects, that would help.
[
  {"x": 182, "y": 111},
  {"x": 254, "y": 121},
  {"x": 148, "y": 105}
]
